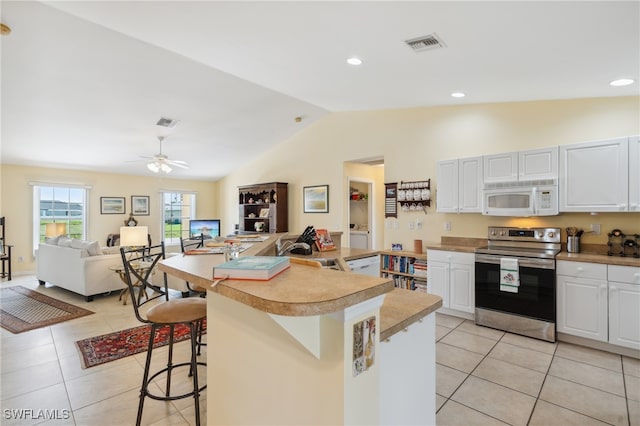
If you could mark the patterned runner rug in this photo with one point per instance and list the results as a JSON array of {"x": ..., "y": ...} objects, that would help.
[
  {"x": 119, "y": 344},
  {"x": 22, "y": 309}
]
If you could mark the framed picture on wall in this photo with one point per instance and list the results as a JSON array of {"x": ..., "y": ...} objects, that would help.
[
  {"x": 112, "y": 205},
  {"x": 316, "y": 199},
  {"x": 140, "y": 205}
]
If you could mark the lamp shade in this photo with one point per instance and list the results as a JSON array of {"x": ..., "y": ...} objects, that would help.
[
  {"x": 54, "y": 229},
  {"x": 134, "y": 236}
]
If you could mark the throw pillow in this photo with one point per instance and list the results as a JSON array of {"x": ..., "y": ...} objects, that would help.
[
  {"x": 94, "y": 248},
  {"x": 111, "y": 250},
  {"x": 64, "y": 242},
  {"x": 52, "y": 240}
]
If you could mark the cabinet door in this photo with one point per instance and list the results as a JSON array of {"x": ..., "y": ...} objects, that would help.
[
  {"x": 501, "y": 167},
  {"x": 594, "y": 176},
  {"x": 582, "y": 307},
  {"x": 438, "y": 280},
  {"x": 461, "y": 287},
  {"x": 447, "y": 193},
  {"x": 624, "y": 315},
  {"x": 470, "y": 185},
  {"x": 538, "y": 164},
  {"x": 634, "y": 174}
]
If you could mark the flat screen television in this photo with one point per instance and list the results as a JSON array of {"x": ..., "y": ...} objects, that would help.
[{"x": 208, "y": 227}]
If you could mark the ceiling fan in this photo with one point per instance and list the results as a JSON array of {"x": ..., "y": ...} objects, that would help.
[{"x": 161, "y": 162}]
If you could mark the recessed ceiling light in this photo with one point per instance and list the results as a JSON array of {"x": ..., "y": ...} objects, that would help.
[
  {"x": 458, "y": 95},
  {"x": 354, "y": 61},
  {"x": 622, "y": 82}
]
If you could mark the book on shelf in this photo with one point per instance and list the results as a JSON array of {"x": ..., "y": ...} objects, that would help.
[
  {"x": 324, "y": 241},
  {"x": 252, "y": 268}
]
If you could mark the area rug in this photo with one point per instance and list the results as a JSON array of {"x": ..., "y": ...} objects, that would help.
[
  {"x": 22, "y": 309},
  {"x": 119, "y": 344}
]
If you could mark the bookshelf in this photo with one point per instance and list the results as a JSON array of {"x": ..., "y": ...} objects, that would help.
[{"x": 407, "y": 269}]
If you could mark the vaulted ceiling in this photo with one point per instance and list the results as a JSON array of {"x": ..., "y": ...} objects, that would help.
[{"x": 84, "y": 82}]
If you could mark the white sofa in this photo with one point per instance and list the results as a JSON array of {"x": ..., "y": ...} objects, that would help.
[{"x": 86, "y": 270}]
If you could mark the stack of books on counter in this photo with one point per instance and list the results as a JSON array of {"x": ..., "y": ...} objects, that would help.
[{"x": 252, "y": 268}]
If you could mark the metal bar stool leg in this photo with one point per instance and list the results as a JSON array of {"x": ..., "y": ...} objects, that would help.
[
  {"x": 145, "y": 377},
  {"x": 194, "y": 367},
  {"x": 169, "y": 361}
]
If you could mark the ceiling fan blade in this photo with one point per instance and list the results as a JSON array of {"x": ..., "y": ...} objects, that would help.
[{"x": 181, "y": 164}]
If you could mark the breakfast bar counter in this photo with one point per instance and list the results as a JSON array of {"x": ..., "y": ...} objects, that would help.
[{"x": 314, "y": 346}]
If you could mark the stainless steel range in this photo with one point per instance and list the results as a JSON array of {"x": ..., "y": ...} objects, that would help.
[{"x": 515, "y": 281}]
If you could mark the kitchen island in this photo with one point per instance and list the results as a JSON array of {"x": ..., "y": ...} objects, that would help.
[{"x": 305, "y": 347}]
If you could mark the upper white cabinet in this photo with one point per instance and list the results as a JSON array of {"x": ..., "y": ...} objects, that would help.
[
  {"x": 459, "y": 186},
  {"x": 538, "y": 164},
  {"x": 634, "y": 174},
  {"x": 594, "y": 176},
  {"x": 534, "y": 164},
  {"x": 501, "y": 167}
]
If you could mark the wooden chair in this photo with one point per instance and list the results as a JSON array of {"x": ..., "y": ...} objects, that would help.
[
  {"x": 165, "y": 313},
  {"x": 5, "y": 253}
]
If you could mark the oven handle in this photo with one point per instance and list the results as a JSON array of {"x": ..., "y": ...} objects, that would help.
[{"x": 528, "y": 262}]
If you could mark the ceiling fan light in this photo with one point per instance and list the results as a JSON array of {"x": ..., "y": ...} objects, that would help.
[
  {"x": 165, "y": 167},
  {"x": 153, "y": 167}
]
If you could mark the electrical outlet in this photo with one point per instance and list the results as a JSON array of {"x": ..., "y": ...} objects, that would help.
[
  {"x": 418, "y": 224},
  {"x": 20, "y": 259},
  {"x": 396, "y": 224},
  {"x": 595, "y": 228},
  {"x": 411, "y": 226},
  {"x": 447, "y": 226}
]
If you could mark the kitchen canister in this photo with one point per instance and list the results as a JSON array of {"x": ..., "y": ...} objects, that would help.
[
  {"x": 417, "y": 246},
  {"x": 573, "y": 244}
]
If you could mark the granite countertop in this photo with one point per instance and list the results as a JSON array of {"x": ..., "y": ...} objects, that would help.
[
  {"x": 599, "y": 258},
  {"x": 401, "y": 308}
]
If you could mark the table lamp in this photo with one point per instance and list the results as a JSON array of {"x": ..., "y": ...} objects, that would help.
[
  {"x": 55, "y": 229},
  {"x": 134, "y": 236}
]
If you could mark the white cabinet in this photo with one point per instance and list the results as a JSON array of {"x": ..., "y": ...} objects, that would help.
[
  {"x": 538, "y": 164},
  {"x": 501, "y": 167},
  {"x": 459, "y": 186},
  {"x": 624, "y": 306},
  {"x": 634, "y": 174},
  {"x": 594, "y": 176},
  {"x": 582, "y": 300},
  {"x": 534, "y": 164},
  {"x": 451, "y": 275},
  {"x": 599, "y": 302}
]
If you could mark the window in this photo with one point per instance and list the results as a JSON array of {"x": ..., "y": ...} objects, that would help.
[
  {"x": 60, "y": 204},
  {"x": 178, "y": 208}
]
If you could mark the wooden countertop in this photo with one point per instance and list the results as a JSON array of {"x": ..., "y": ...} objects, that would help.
[{"x": 303, "y": 290}]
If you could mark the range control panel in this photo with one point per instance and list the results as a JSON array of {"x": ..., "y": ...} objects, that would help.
[{"x": 540, "y": 235}]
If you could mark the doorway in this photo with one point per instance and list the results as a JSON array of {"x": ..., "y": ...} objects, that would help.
[{"x": 360, "y": 213}]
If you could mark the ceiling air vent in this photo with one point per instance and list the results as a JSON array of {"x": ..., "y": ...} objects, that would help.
[
  {"x": 430, "y": 42},
  {"x": 167, "y": 122}
]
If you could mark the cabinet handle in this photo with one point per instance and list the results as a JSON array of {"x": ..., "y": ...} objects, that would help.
[{"x": 580, "y": 269}]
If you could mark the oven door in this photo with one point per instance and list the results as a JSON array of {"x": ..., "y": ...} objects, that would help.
[{"x": 536, "y": 296}]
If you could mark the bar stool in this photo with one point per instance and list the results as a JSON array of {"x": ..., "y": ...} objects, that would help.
[{"x": 168, "y": 313}]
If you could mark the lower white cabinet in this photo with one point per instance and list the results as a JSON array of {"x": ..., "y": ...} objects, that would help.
[
  {"x": 451, "y": 275},
  {"x": 599, "y": 302}
]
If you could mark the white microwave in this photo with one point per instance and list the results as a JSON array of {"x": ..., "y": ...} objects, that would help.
[{"x": 521, "y": 199}]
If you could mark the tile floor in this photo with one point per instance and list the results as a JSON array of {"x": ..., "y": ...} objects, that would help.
[
  {"x": 488, "y": 377},
  {"x": 484, "y": 376},
  {"x": 40, "y": 369}
]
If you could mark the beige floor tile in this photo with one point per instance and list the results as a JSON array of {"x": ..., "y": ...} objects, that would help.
[
  {"x": 27, "y": 340},
  {"x": 509, "y": 375},
  {"x": 122, "y": 409},
  {"x": 634, "y": 413},
  {"x": 523, "y": 357},
  {"x": 595, "y": 357},
  {"x": 448, "y": 321},
  {"x": 37, "y": 406},
  {"x": 470, "y": 327},
  {"x": 457, "y": 358},
  {"x": 454, "y": 414},
  {"x": 25, "y": 380},
  {"x": 440, "y": 400},
  {"x": 631, "y": 366},
  {"x": 441, "y": 332},
  {"x": 496, "y": 401},
  {"x": 530, "y": 343},
  {"x": 591, "y": 402},
  {"x": 632, "y": 385},
  {"x": 29, "y": 357},
  {"x": 83, "y": 390},
  {"x": 589, "y": 375},
  {"x": 545, "y": 414},
  {"x": 176, "y": 419},
  {"x": 448, "y": 380},
  {"x": 470, "y": 342}
]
